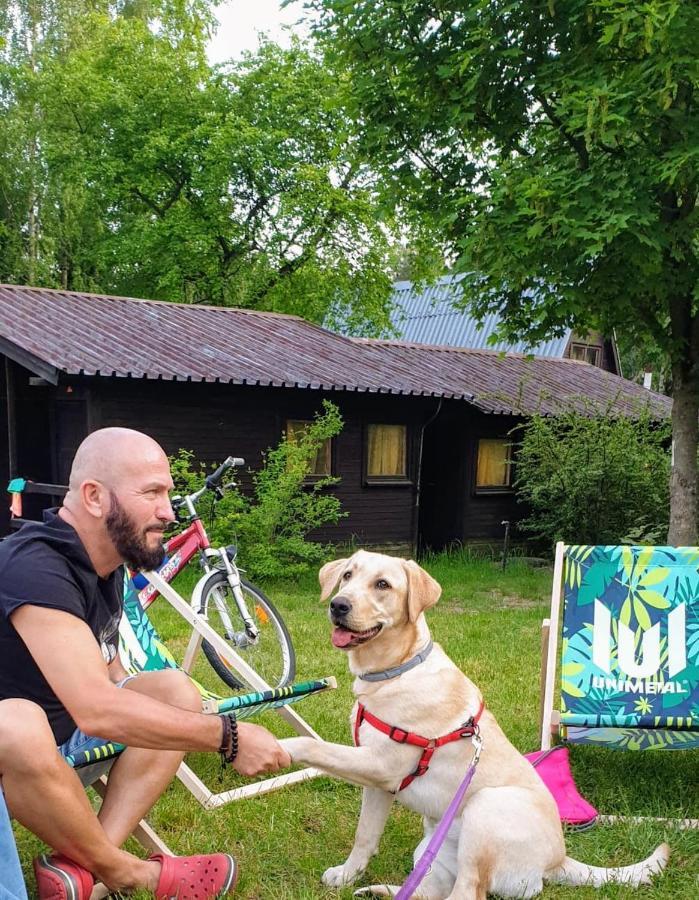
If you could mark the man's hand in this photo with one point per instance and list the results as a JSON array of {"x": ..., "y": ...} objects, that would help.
[{"x": 258, "y": 751}]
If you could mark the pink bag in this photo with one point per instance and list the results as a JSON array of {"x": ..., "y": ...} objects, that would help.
[{"x": 553, "y": 767}]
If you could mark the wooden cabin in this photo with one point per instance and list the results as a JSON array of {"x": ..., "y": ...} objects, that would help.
[{"x": 425, "y": 455}]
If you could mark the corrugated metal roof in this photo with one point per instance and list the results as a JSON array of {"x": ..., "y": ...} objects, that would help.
[
  {"x": 88, "y": 334},
  {"x": 429, "y": 317},
  {"x": 509, "y": 383}
]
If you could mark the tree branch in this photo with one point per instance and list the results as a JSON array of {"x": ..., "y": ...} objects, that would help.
[
  {"x": 159, "y": 210},
  {"x": 576, "y": 143}
]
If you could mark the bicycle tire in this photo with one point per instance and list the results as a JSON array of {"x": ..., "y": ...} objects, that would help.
[{"x": 272, "y": 656}]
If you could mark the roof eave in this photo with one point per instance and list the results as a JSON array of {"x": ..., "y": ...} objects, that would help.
[{"x": 28, "y": 360}]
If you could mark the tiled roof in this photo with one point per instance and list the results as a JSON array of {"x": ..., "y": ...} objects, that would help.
[
  {"x": 53, "y": 332},
  {"x": 430, "y": 316}
]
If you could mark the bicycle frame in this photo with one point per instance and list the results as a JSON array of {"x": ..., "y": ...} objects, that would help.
[
  {"x": 233, "y": 578},
  {"x": 181, "y": 548}
]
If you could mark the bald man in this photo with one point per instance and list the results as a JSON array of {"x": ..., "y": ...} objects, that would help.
[{"x": 62, "y": 684}]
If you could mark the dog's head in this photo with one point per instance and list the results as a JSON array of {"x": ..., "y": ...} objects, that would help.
[{"x": 374, "y": 594}]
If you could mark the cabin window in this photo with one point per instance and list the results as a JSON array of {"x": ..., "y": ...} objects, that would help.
[
  {"x": 494, "y": 465},
  {"x": 586, "y": 353},
  {"x": 387, "y": 453},
  {"x": 321, "y": 464}
]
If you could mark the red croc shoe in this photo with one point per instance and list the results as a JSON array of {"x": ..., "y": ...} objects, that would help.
[
  {"x": 59, "y": 878},
  {"x": 195, "y": 877}
]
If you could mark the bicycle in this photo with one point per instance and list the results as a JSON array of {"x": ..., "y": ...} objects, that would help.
[{"x": 223, "y": 597}]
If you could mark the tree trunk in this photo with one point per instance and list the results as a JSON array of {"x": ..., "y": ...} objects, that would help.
[{"x": 683, "y": 477}]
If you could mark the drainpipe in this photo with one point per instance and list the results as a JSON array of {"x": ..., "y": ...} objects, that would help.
[{"x": 418, "y": 482}]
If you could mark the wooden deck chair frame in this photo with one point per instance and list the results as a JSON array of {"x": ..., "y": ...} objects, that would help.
[
  {"x": 549, "y": 716},
  {"x": 203, "y": 631},
  {"x": 143, "y": 832}
]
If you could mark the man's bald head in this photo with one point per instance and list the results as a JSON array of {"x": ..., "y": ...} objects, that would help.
[
  {"x": 118, "y": 498},
  {"x": 111, "y": 455}
]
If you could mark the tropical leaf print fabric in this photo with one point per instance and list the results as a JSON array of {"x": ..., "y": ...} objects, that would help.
[{"x": 630, "y": 655}]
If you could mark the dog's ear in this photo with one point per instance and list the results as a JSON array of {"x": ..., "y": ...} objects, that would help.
[
  {"x": 328, "y": 576},
  {"x": 423, "y": 590}
]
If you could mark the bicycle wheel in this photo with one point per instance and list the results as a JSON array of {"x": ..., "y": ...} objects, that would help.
[{"x": 271, "y": 655}]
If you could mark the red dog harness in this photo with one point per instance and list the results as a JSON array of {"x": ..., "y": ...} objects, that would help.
[{"x": 429, "y": 745}]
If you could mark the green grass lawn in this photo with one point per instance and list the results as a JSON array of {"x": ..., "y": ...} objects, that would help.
[{"x": 489, "y": 622}]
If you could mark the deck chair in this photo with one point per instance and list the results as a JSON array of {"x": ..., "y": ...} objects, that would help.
[
  {"x": 141, "y": 650},
  {"x": 628, "y": 620}
]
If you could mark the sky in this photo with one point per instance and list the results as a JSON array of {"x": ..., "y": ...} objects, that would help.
[{"x": 240, "y": 21}]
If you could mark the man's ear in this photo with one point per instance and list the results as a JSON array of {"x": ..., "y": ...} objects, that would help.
[
  {"x": 95, "y": 498},
  {"x": 423, "y": 590},
  {"x": 329, "y": 575}
]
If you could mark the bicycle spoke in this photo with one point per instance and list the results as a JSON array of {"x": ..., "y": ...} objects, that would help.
[{"x": 268, "y": 652}]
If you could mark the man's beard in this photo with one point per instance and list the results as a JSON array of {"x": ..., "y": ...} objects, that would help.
[{"x": 129, "y": 543}]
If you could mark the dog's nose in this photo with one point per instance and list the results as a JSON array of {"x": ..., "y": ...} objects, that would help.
[{"x": 340, "y": 606}]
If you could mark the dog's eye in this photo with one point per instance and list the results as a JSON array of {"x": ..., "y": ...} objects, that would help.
[
  {"x": 382, "y": 585},
  {"x": 347, "y": 576}
]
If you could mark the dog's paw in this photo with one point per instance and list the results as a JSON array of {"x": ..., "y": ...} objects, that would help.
[
  {"x": 298, "y": 747},
  {"x": 377, "y": 890},
  {"x": 338, "y": 875}
]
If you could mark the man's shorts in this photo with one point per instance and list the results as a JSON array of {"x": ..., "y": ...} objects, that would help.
[{"x": 79, "y": 741}]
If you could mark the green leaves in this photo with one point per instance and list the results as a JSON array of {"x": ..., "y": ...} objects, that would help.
[
  {"x": 270, "y": 524},
  {"x": 555, "y": 146},
  {"x": 593, "y": 479},
  {"x": 154, "y": 175}
]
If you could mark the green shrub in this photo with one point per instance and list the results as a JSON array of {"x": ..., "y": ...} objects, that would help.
[
  {"x": 594, "y": 479},
  {"x": 271, "y": 525}
]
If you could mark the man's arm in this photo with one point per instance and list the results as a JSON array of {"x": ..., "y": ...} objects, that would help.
[
  {"x": 71, "y": 662},
  {"x": 116, "y": 671}
]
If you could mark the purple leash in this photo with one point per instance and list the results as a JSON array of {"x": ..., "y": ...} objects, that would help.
[{"x": 437, "y": 839}]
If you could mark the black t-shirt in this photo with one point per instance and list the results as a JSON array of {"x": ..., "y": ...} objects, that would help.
[{"x": 46, "y": 564}]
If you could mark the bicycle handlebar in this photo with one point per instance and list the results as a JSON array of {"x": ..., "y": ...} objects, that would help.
[
  {"x": 214, "y": 480},
  {"x": 211, "y": 483}
]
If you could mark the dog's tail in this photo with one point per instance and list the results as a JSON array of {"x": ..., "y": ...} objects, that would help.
[{"x": 574, "y": 872}]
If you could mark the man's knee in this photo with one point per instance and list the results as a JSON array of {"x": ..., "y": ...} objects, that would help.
[
  {"x": 169, "y": 686},
  {"x": 183, "y": 692},
  {"x": 25, "y": 734}
]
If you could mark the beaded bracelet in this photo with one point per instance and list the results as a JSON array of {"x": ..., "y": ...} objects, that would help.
[{"x": 229, "y": 738}]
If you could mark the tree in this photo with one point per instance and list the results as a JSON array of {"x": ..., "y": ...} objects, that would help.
[
  {"x": 556, "y": 145},
  {"x": 271, "y": 523},
  {"x": 593, "y": 479},
  {"x": 40, "y": 214},
  {"x": 161, "y": 177}
]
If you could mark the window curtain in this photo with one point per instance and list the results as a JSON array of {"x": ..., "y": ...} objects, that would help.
[
  {"x": 320, "y": 464},
  {"x": 493, "y": 463},
  {"x": 386, "y": 454}
]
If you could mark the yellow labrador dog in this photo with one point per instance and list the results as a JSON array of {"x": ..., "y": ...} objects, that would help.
[{"x": 507, "y": 839}]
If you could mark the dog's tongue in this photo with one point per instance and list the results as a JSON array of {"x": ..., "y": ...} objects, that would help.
[{"x": 341, "y": 637}]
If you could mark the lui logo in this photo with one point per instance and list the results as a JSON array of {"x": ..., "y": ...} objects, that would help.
[{"x": 649, "y": 657}]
